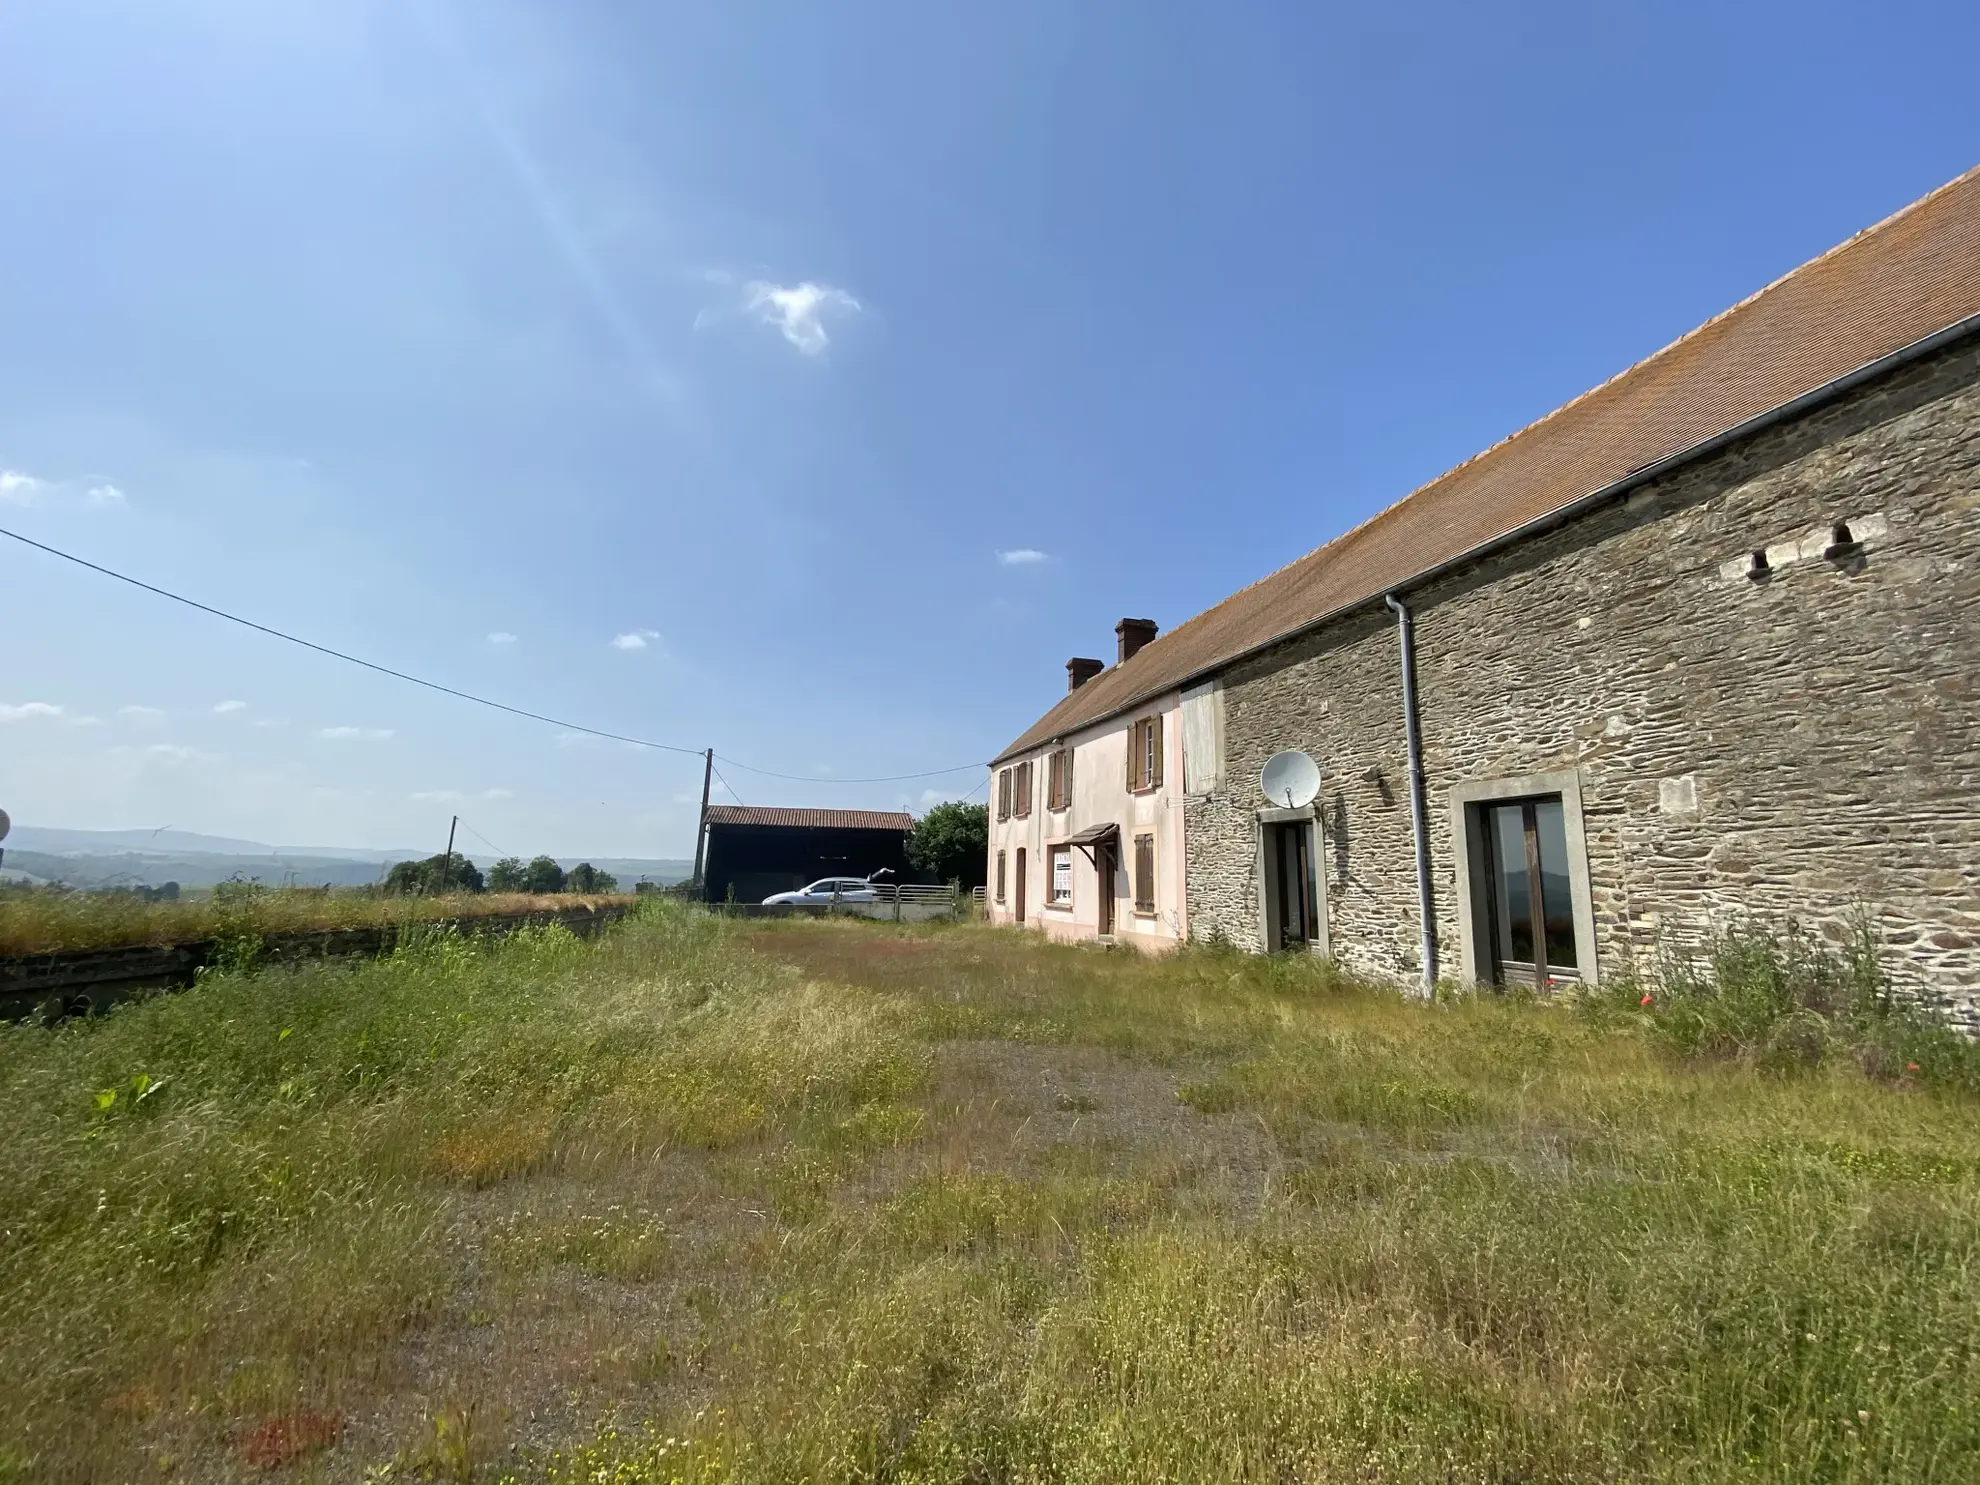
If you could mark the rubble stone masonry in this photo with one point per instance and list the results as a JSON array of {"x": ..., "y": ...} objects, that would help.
[{"x": 1806, "y": 746}]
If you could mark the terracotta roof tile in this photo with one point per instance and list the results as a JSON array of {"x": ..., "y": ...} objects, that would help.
[
  {"x": 743, "y": 814},
  {"x": 1889, "y": 286}
]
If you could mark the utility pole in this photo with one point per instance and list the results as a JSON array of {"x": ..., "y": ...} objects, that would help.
[
  {"x": 701, "y": 825},
  {"x": 447, "y": 861}
]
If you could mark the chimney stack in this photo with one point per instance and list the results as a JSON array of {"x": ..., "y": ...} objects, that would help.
[
  {"x": 1079, "y": 672},
  {"x": 1133, "y": 634}
]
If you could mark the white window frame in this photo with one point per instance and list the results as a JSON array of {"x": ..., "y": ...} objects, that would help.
[{"x": 1055, "y": 855}]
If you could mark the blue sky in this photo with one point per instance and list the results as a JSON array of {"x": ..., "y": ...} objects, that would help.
[{"x": 693, "y": 370}]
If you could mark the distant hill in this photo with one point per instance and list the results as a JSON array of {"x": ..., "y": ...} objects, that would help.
[
  {"x": 109, "y": 858},
  {"x": 172, "y": 842}
]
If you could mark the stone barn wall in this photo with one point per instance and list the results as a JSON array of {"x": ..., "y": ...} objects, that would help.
[{"x": 1803, "y": 747}]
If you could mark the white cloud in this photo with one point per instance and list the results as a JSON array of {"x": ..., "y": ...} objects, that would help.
[
  {"x": 142, "y": 714},
  {"x": 345, "y": 734},
  {"x": 169, "y": 753},
  {"x": 28, "y": 711},
  {"x": 501, "y": 637},
  {"x": 637, "y": 639},
  {"x": 17, "y": 488},
  {"x": 223, "y": 707},
  {"x": 798, "y": 313},
  {"x": 271, "y": 721},
  {"x": 1022, "y": 557},
  {"x": 455, "y": 796}
]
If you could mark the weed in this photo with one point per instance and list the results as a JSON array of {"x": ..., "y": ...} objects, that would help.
[{"x": 707, "y": 1200}]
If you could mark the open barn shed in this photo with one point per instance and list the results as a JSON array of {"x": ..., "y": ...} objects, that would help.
[{"x": 754, "y": 851}]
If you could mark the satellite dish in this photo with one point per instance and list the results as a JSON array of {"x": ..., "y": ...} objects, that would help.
[{"x": 1290, "y": 779}]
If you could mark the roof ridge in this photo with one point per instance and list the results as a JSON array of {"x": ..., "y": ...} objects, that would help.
[
  {"x": 1865, "y": 299},
  {"x": 1581, "y": 398}
]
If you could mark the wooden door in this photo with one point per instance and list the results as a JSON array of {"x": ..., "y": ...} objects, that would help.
[
  {"x": 1019, "y": 913},
  {"x": 1103, "y": 869}
]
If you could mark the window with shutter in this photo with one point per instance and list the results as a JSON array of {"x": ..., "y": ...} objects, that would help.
[
  {"x": 1059, "y": 793},
  {"x": 1022, "y": 807},
  {"x": 1144, "y": 873},
  {"x": 1145, "y": 755},
  {"x": 1000, "y": 876},
  {"x": 1004, "y": 794}
]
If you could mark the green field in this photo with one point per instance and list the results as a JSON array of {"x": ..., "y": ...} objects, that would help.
[
  {"x": 709, "y": 1200},
  {"x": 41, "y": 921}
]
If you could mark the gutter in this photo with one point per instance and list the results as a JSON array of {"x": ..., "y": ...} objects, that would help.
[
  {"x": 1794, "y": 407},
  {"x": 1419, "y": 815}
]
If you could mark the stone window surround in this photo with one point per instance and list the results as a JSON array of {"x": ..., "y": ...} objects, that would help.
[
  {"x": 1463, "y": 798},
  {"x": 1323, "y": 944}
]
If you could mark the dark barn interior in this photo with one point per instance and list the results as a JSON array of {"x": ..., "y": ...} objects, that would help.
[{"x": 753, "y": 851}]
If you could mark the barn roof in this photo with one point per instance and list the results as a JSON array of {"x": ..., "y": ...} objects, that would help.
[
  {"x": 745, "y": 814},
  {"x": 1894, "y": 284}
]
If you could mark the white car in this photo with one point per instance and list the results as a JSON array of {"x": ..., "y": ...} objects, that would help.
[{"x": 824, "y": 892}]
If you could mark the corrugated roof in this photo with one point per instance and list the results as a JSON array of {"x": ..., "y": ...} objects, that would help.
[
  {"x": 1889, "y": 286},
  {"x": 746, "y": 814}
]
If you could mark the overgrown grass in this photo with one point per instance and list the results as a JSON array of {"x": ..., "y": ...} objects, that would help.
[
  {"x": 844, "y": 1201},
  {"x": 41, "y": 920},
  {"x": 1784, "y": 1001}
]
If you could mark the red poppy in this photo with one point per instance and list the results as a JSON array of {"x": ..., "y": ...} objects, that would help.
[
  {"x": 1645, "y": 1000},
  {"x": 1911, "y": 1067}
]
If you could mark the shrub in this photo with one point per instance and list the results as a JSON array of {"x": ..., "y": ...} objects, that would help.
[{"x": 1781, "y": 998}]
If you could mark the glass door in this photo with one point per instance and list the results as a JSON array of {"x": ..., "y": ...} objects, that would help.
[
  {"x": 1532, "y": 902},
  {"x": 1289, "y": 878}
]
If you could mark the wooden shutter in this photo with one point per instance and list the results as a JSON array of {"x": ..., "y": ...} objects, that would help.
[
  {"x": 1066, "y": 801},
  {"x": 1144, "y": 873},
  {"x": 1000, "y": 876},
  {"x": 1134, "y": 756},
  {"x": 1003, "y": 794},
  {"x": 1155, "y": 752},
  {"x": 1023, "y": 789}
]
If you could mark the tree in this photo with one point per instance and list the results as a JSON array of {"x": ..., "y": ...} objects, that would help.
[
  {"x": 585, "y": 877},
  {"x": 508, "y": 875},
  {"x": 543, "y": 874},
  {"x": 951, "y": 841},
  {"x": 417, "y": 878}
]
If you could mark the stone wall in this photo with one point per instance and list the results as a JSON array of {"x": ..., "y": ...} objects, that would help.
[{"x": 1807, "y": 746}]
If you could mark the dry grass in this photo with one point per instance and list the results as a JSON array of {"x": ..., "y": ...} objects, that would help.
[
  {"x": 844, "y": 1201},
  {"x": 43, "y": 921}
]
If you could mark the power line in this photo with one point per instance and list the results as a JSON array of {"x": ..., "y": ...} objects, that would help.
[
  {"x": 727, "y": 785},
  {"x": 400, "y": 675},
  {"x": 482, "y": 838},
  {"x": 810, "y": 778}
]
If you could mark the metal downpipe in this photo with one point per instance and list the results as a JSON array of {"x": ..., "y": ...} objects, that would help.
[{"x": 1419, "y": 817}]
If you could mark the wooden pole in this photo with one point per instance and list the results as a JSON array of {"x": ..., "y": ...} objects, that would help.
[
  {"x": 447, "y": 861},
  {"x": 701, "y": 825}
]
